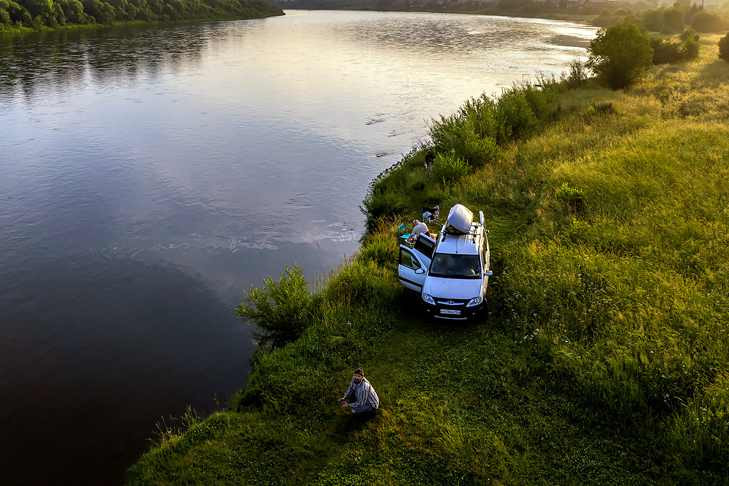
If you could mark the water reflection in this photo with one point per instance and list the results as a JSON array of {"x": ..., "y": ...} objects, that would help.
[{"x": 58, "y": 61}]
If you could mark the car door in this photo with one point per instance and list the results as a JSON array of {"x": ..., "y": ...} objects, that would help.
[
  {"x": 412, "y": 268},
  {"x": 486, "y": 259}
]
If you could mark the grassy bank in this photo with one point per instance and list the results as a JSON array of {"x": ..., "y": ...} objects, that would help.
[{"x": 604, "y": 358}]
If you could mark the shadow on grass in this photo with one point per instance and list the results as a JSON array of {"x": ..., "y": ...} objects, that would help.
[
  {"x": 344, "y": 425},
  {"x": 715, "y": 73}
]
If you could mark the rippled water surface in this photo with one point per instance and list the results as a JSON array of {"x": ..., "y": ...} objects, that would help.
[{"x": 148, "y": 176}]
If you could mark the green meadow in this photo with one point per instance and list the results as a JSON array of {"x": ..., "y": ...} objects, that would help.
[{"x": 604, "y": 355}]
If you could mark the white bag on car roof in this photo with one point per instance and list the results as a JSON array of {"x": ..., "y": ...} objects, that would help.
[{"x": 459, "y": 220}]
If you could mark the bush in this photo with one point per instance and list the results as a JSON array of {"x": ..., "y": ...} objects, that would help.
[
  {"x": 515, "y": 116},
  {"x": 707, "y": 22},
  {"x": 620, "y": 54},
  {"x": 665, "y": 52},
  {"x": 572, "y": 197},
  {"x": 673, "y": 20},
  {"x": 469, "y": 133},
  {"x": 449, "y": 167},
  {"x": 578, "y": 74},
  {"x": 281, "y": 310},
  {"x": 724, "y": 48},
  {"x": 690, "y": 47}
]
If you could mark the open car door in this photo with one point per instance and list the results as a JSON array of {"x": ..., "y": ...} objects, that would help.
[{"x": 414, "y": 262}]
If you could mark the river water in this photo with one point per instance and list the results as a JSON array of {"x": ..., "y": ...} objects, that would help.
[{"x": 149, "y": 176}]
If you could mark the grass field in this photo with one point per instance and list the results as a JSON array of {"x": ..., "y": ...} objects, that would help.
[{"x": 604, "y": 357}]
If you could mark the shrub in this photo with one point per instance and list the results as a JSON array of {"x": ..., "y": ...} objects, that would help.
[
  {"x": 690, "y": 47},
  {"x": 572, "y": 197},
  {"x": 515, "y": 116},
  {"x": 724, "y": 48},
  {"x": 578, "y": 74},
  {"x": 481, "y": 114},
  {"x": 707, "y": 22},
  {"x": 281, "y": 310},
  {"x": 449, "y": 167},
  {"x": 543, "y": 99},
  {"x": 475, "y": 150},
  {"x": 620, "y": 54},
  {"x": 667, "y": 51},
  {"x": 469, "y": 133},
  {"x": 673, "y": 20}
]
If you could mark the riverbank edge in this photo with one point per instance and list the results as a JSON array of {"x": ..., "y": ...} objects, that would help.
[
  {"x": 23, "y": 31},
  {"x": 575, "y": 18},
  {"x": 376, "y": 328}
]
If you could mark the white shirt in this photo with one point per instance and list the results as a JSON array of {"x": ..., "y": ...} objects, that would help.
[{"x": 420, "y": 228}]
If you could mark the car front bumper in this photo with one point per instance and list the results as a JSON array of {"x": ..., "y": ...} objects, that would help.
[{"x": 457, "y": 312}]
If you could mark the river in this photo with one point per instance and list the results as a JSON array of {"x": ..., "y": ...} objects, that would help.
[{"x": 148, "y": 176}]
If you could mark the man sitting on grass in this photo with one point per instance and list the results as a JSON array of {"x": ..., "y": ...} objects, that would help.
[{"x": 360, "y": 397}]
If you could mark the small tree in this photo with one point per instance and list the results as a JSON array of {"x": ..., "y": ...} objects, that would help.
[
  {"x": 620, "y": 54},
  {"x": 281, "y": 310},
  {"x": 724, "y": 48}
]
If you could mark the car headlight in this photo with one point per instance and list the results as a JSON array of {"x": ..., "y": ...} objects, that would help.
[
  {"x": 475, "y": 301},
  {"x": 428, "y": 299}
]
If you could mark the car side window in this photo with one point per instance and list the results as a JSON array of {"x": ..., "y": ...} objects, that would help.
[{"x": 407, "y": 259}]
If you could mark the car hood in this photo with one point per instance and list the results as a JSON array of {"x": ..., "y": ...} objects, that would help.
[{"x": 452, "y": 288}]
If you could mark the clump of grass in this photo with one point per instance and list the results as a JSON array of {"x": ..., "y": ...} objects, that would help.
[
  {"x": 281, "y": 310},
  {"x": 572, "y": 197}
]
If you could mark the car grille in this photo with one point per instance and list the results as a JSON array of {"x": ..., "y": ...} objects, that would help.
[{"x": 451, "y": 302}]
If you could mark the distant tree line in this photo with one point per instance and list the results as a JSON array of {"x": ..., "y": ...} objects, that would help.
[
  {"x": 54, "y": 13},
  {"x": 668, "y": 20}
]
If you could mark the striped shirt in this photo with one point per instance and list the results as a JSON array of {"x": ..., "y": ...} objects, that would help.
[{"x": 365, "y": 396}]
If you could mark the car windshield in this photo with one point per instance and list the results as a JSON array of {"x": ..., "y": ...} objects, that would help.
[{"x": 455, "y": 266}]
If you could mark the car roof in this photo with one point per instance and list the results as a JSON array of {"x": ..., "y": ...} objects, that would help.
[{"x": 460, "y": 244}]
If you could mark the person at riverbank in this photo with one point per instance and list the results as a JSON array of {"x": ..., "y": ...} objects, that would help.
[
  {"x": 418, "y": 228},
  {"x": 429, "y": 159},
  {"x": 361, "y": 398}
]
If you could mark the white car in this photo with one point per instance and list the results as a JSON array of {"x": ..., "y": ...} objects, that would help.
[{"x": 450, "y": 274}]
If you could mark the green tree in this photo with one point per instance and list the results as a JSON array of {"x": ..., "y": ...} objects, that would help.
[
  {"x": 73, "y": 10},
  {"x": 102, "y": 12},
  {"x": 620, "y": 54},
  {"x": 38, "y": 7}
]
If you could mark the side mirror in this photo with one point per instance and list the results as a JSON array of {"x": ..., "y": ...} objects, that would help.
[
  {"x": 489, "y": 273},
  {"x": 420, "y": 271}
]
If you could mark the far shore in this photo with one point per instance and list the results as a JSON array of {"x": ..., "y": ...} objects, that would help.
[{"x": 23, "y": 30}]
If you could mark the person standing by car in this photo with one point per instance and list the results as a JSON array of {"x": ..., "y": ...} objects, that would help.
[{"x": 360, "y": 397}]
